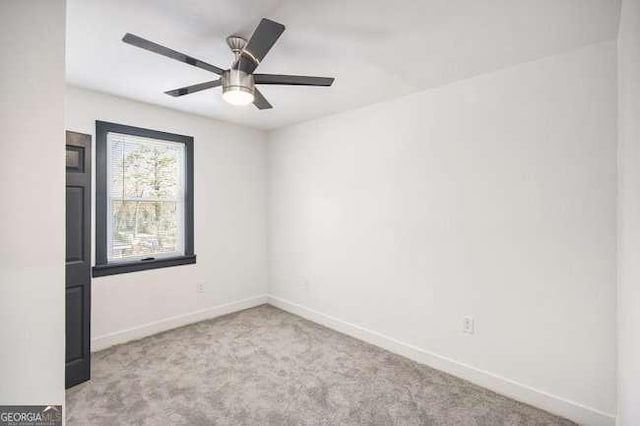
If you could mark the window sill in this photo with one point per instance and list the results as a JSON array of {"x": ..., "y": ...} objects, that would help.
[{"x": 126, "y": 267}]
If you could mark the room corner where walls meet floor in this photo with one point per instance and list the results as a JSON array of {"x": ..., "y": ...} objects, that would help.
[
  {"x": 266, "y": 366},
  {"x": 520, "y": 392}
]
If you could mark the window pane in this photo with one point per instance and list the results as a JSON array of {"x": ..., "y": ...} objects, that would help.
[
  {"x": 146, "y": 197},
  {"x": 117, "y": 167},
  {"x": 145, "y": 168},
  {"x": 145, "y": 228}
]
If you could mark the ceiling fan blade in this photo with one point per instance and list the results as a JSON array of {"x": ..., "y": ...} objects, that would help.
[
  {"x": 260, "y": 101},
  {"x": 262, "y": 40},
  {"x": 142, "y": 43},
  {"x": 292, "y": 80},
  {"x": 195, "y": 88}
]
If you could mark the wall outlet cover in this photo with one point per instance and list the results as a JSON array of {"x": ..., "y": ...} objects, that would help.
[{"x": 468, "y": 325}]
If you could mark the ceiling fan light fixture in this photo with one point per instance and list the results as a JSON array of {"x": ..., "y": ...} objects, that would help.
[{"x": 237, "y": 96}]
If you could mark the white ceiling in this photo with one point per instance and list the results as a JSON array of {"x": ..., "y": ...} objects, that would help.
[{"x": 376, "y": 49}]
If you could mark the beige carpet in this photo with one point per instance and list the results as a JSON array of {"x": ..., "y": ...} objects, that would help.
[{"x": 264, "y": 366}]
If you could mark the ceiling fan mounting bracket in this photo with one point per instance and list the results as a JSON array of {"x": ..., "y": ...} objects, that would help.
[{"x": 236, "y": 44}]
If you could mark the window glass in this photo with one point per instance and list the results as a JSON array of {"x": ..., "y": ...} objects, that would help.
[{"x": 146, "y": 196}]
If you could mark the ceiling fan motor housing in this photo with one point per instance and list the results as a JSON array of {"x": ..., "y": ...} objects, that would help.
[{"x": 237, "y": 80}]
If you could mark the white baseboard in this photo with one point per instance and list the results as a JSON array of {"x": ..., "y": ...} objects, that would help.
[
  {"x": 123, "y": 336},
  {"x": 571, "y": 410}
]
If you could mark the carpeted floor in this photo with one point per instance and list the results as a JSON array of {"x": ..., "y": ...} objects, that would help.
[{"x": 264, "y": 366}]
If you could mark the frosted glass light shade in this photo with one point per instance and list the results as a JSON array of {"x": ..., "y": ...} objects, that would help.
[{"x": 235, "y": 96}]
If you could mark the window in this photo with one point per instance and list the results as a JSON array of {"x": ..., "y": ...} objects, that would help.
[{"x": 144, "y": 199}]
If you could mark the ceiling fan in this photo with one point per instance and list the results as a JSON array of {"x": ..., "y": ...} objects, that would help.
[{"x": 238, "y": 82}]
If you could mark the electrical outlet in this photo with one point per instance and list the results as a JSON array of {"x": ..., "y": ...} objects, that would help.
[
  {"x": 200, "y": 288},
  {"x": 468, "y": 325}
]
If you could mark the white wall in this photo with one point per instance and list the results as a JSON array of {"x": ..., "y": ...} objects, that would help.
[
  {"x": 230, "y": 226},
  {"x": 32, "y": 37},
  {"x": 629, "y": 214},
  {"x": 493, "y": 197}
]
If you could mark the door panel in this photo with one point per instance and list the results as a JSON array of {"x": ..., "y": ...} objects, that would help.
[
  {"x": 74, "y": 324},
  {"x": 78, "y": 258},
  {"x": 75, "y": 222}
]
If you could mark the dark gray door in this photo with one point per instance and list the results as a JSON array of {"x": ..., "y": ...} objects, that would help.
[{"x": 78, "y": 258}]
